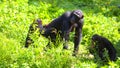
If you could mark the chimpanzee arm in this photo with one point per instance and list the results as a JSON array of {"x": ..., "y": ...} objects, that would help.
[
  {"x": 78, "y": 36},
  {"x": 65, "y": 31},
  {"x": 65, "y": 25}
]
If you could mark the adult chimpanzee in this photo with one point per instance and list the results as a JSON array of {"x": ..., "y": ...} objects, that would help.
[
  {"x": 64, "y": 25},
  {"x": 100, "y": 43}
]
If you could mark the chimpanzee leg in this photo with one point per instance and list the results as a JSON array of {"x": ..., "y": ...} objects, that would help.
[
  {"x": 28, "y": 39},
  {"x": 66, "y": 29},
  {"x": 37, "y": 24}
]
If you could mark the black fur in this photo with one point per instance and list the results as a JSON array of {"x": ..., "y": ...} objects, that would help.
[{"x": 100, "y": 43}]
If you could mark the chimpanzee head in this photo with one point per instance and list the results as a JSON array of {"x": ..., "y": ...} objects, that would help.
[
  {"x": 96, "y": 37},
  {"x": 76, "y": 16}
]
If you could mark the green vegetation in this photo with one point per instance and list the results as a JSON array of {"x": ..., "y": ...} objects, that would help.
[{"x": 101, "y": 17}]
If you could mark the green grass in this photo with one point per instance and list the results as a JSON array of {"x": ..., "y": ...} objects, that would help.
[{"x": 101, "y": 17}]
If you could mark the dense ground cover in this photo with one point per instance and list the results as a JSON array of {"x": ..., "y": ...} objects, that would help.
[{"x": 101, "y": 17}]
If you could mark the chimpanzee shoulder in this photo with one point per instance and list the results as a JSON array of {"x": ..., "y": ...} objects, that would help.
[{"x": 67, "y": 14}]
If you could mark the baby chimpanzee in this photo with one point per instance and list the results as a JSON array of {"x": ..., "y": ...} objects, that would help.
[{"x": 99, "y": 44}]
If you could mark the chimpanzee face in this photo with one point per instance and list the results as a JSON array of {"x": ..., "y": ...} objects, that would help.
[{"x": 76, "y": 16}]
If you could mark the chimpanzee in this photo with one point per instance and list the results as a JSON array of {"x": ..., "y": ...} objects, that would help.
[
  {"x": 100, "y": 43},
  {"x": 66, "y": 23}
]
